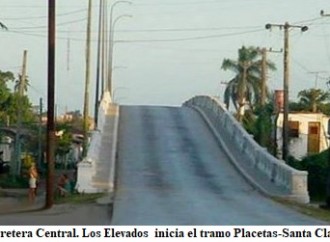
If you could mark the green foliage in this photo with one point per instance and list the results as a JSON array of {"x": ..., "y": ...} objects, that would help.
[
  {"x": 259, "y": 124},
  {"x": 312, "y": 100},
  {"x": 245, "y": 86},
  {"x": 19, "y": 84},
  {"x": 5, "y": 93},
  {"x": 317, "y": 168},
  {"x": 15, "y": 104},
  {"x": 325, "y": 108},
  {"x": 6, "y": 76},
  {"x": 296, "y": 107},
  {"x": 11, "y": 103},
  {"x": 64, "y": 144},
  {"x": 8, "y": 181},
  {"x": 249, "y": 121}
]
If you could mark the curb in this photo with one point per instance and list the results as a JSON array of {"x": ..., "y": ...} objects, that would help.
[{"x": 13, "y": 192}]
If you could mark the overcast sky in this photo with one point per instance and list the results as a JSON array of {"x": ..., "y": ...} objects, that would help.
[{"x": 169, "y": 51}]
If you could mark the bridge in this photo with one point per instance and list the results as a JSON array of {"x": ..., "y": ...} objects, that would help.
[{"x": 187, "y": 165}]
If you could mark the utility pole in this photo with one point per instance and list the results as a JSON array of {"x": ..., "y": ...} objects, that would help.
[
  {"x": 263, "y": 76},
  {"x": 40, "y": 133},
  {"x": 21, "y": 95},
  {"x": 19, "y": 115},
  {"x": 263, "y": 134},
  {"x": 87, "y": 76},
  {"x": 263, "y": 52},
  {"x": 316, "y": 73},
  {"x": 241, "y": 92},
  {"x": 285, "y": 128},
  {"x": 23, "y": 76},
  {"x": 50, "y": 147},
  {"x": 97, "y": 88}
]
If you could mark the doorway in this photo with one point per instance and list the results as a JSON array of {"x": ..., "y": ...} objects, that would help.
[{"x": 313, "y": 144}]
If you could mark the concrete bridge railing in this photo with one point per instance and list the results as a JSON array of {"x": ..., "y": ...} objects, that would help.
[
  {"x": 248, "y": 154},
  {"x": 96, "y": 171}
]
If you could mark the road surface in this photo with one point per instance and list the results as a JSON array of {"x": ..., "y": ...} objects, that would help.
[{"x": 171, "y": 171}]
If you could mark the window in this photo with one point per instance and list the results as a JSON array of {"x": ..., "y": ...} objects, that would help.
[{"x": 294, "y": 129}]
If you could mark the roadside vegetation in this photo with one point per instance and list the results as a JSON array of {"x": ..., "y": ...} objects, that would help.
[
  {"x": 254, "y": 108},
  {"x": 18, "y": 113}
]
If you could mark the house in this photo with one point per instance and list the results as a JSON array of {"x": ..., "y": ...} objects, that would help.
[
  {"x": 307, "y": 133},
  {"x": 6, "y": 148}
]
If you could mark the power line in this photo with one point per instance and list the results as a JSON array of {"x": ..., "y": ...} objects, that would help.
[
  {"x": 188, "y": 29},
  {"x": 176, "y": 3},
  {"x": 300, "y": 65},
  {"x": 44, "y": 26},
  {"x": 190, "y": 38},
  {"x": 40, "y": 17},
  {"x": 149, "y": 40},
  {"x": 308, "y": 20},
  {"x": 157, "y": 30}
]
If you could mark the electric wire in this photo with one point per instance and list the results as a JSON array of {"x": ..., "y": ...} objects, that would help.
[{"x": 44, "y": 16}]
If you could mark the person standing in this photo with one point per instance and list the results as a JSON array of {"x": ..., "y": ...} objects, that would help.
[{"x": 33, "y": 178}]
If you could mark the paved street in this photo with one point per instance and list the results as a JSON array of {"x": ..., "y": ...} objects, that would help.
[
  {"x": 17, "y": 211},
  {"x": 66, "y": 214},
  {"x": 172, "y": 172}
]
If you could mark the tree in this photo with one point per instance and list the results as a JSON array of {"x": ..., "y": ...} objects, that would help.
[
  {"x": 16, "y": 102},
  {"x": 10, "y": 102},
  {"x": 5, "y": 93},
  {"x": 18, "y": 83},
  {"x": 245, "y": 87},
  {"x": 312, "y": 99}
]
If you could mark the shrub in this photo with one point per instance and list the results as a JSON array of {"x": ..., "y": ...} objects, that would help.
[
  {"x": 317, "y": 168},
  {"x": 8, "y": 181}
]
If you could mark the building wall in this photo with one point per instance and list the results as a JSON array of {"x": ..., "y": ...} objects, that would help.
[
  {"x": 298, "y": 147},
  {"x": 6, "y": 148}
]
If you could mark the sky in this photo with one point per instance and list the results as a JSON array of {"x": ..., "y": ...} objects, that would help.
[{"x": 169, "y": 50}]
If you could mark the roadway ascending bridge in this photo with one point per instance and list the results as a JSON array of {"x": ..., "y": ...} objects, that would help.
[{"x": 172, "y": 171}]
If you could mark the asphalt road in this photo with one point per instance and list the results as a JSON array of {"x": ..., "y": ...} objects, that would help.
[{"x": 171, "y": 171}]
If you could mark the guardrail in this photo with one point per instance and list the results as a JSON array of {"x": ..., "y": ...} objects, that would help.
[
  {"x": 226, "y": 128},
  {"x": 99, "y": 158}
]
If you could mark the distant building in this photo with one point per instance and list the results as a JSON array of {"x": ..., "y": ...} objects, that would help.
[
  {"x": 307, "y": 133},
  {"x": 69, "y": 116},
  {"x": 6, "y": 148}
]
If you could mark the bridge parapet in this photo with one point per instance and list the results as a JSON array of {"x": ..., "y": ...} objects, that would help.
[
  {"x": 96, "y": 170},
  {"x": 270, "y": 175}
]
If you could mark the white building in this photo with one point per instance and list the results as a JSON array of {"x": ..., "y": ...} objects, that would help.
[
  {"x": 307, "y": 133},
  {"x": 6, "y": 148}
]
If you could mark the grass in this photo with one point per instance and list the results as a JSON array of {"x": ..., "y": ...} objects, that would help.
[
  {"x": 79, "y": 198},
  {"x": 311, "y": 209}
]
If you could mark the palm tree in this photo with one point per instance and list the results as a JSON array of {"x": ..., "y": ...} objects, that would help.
[
  {"x": 245, "y": 87},
  {"x": 18, "y": 84},
  {"x": 311, "y": 99}
]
